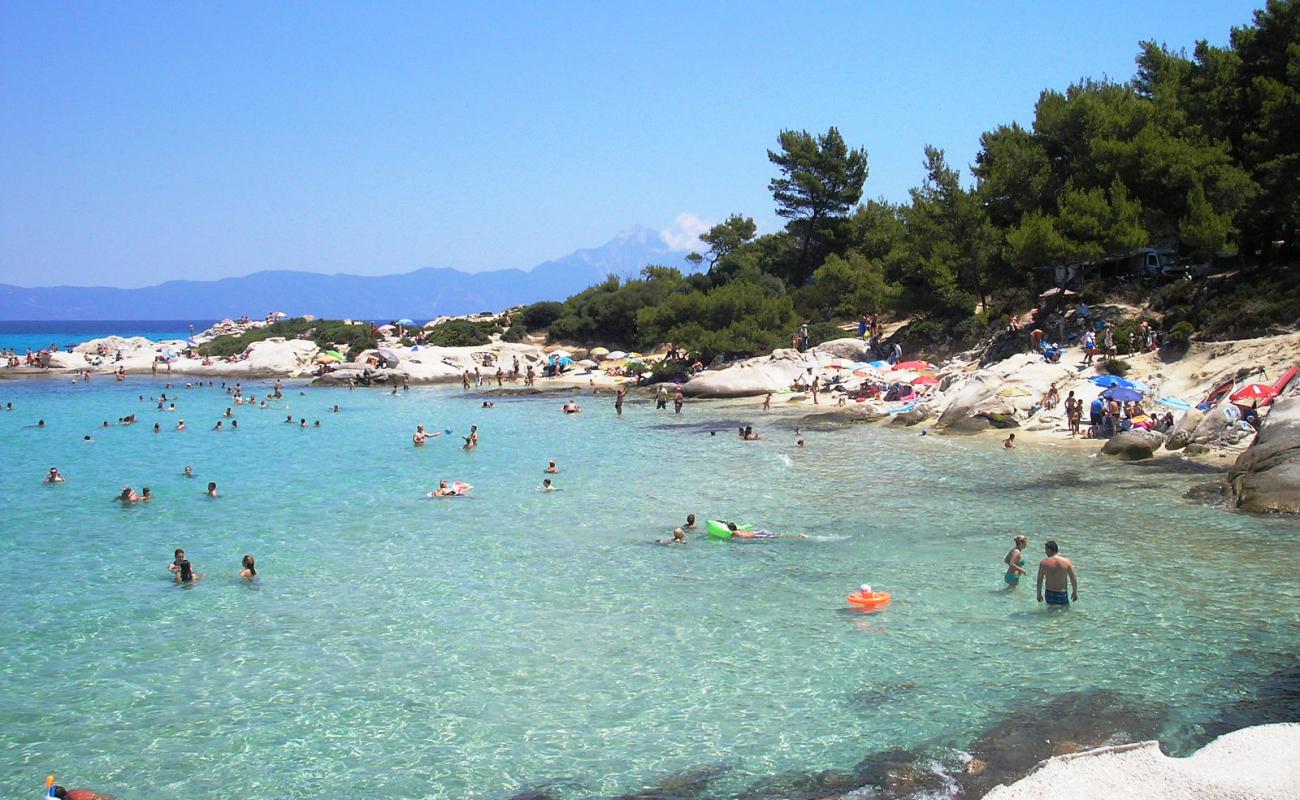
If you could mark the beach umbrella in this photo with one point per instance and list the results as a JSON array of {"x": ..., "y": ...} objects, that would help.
[
  {"x": 838, "y": 363},
  {"x": 1255, "y": 391},
  {"x": 913, "y": 366},
  {"x": 332, "y": 355},
  {"x": 598, "y": 351},
  {"x": 1114, "y": 380},
  {"x": 1013, "y": 391},
  {"x": 879, "y": 364},
  {"x": 566, "y": 361},
  {"x": 388, "y": 355},
  {"x": 562, "y": 354},
  {"x": 587, "y": 362},
  {"x": 634, "y": 355},
  {"x": 617, "y": 355},
  {"x": 1123, "y": 394},
  {"x": 925, "y": 380},
  {"x": 279, "y": 314},
  {"x": 1174, "y": 402},
  {"x": 406, "y": 322},
  {"x": 866, "y": 372}
]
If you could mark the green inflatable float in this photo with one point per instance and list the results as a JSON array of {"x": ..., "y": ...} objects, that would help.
[{"x": 719, "y": 530}]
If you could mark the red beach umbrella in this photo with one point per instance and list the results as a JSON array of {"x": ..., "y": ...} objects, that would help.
[
  {"x": 913, "y": 366},
  {"x": 925, "y": 380},
  {"x": 1255, "y": 391}
]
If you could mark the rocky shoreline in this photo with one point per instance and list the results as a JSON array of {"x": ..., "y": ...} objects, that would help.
[{"x": 991, "y": 389}]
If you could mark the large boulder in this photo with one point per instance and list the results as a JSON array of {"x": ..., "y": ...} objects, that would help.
[
  {"x": 750, "y": 378},
  {"x": 1181, "y": 435},
  {"x": 913, "y": 416},
  {"x": 849, "y": 348},
  {"x": 958, "y": 415},
  {"x": 1133, "y": 445},
  {"x": 1213, "y": 423},
  {"x": 1267, "y": 476}
]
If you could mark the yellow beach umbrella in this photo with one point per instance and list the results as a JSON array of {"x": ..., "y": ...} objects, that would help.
[{"x": 598, "y": 351}]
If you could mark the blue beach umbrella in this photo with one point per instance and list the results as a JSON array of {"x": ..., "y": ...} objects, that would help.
[
  {"x": 1114, "y": 380},
  {"x": 1123, "y": 394},
  {"x": 406, "y": 322}
]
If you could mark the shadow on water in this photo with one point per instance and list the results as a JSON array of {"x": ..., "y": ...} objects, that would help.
[
  {"x": 1002, "y": 754},
  {"x": 720, "y": 425},
  {"x": 1276, "y": 700}
]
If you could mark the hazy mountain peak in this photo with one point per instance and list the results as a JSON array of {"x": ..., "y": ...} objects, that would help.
[{"x": 421, "y": 294}]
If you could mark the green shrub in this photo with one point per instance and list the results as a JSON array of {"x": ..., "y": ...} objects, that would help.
[
  {"x": 458, "y": 333},
  {"x": 820, "y": 332},
  {"x": 540, "y": 315},
  {"x": 1181, "y": 333},
  {"x": 515, "y": 333},
  {"x": 326, "y": 334},
  {"x": 1115, "y": 366}
]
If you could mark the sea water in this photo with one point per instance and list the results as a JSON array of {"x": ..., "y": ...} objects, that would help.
[
  {"x": 400, "y": 646},
  {"x": 21, "y": 336}
]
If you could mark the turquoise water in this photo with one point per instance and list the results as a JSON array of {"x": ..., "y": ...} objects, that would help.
[{"x": 397, "y": 646}]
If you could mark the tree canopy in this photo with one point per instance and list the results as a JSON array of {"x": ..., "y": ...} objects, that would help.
[{"x": 1198, "y": 153}]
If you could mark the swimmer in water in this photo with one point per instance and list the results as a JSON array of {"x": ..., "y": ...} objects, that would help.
[
  {"x": 157, "y": 428},
  {"x": 146, "y": 494},
  {"x": 679, "y": 537},
  {"x": 217, "y": 427},
  {"x": 690, "y": 522},
  {"x": 54, "y": 476},
  {"x": 212, "y": 489},
  {"x": 189, "y": 471},
  {"x": 180, "y": 425},
  {"x": 737, "y": 533},
  {"x": 64, "y": 793},
  {"x": 546, "y": 485},
  {"x": 177, "y": 557},
  {"x": 128, "y": 495},
  {"x": 250, "y": 568},
  {"x": 185, "y": 572},
  {"x": 551, "y": 469},
  {"x": 444, "y": 490},
  {"x": 1010, "y": 442},
  {"x": 1015, "y": 561},
  {"x": 419, "y": 436}
]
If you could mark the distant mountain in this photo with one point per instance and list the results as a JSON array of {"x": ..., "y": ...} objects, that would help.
[{"x": 420, "y": 295}]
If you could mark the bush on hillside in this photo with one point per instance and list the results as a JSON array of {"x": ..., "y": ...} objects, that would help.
[
  {"x": 1114, "y": 366},
  {"x": 1181, "y": 334},
  {"x": 459, "y": 333},
  {"x": 326, "y": 334},
  {"x": 539, "y": 316}
]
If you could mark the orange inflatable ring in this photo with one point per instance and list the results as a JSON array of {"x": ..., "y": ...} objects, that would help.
[{"x": 870, "y": 601}]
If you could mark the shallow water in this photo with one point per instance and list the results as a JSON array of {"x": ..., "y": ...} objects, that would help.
[{"x": 399, "y": 646}]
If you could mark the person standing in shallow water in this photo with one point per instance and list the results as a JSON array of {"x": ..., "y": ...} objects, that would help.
[
  {"x": 679, "y": 399},
  {"x": 1056, "y": 571},
  {"x": 1015, "y": 561},
  {"x": 618, "y": 400}
]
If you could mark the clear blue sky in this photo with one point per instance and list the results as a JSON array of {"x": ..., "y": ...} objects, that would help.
[{"x": 142, "y": 142}]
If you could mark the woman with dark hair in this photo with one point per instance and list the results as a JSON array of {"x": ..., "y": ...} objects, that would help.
[
  {"x": 250, "y": 568},
  {"x": 185, "y": 572}
]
